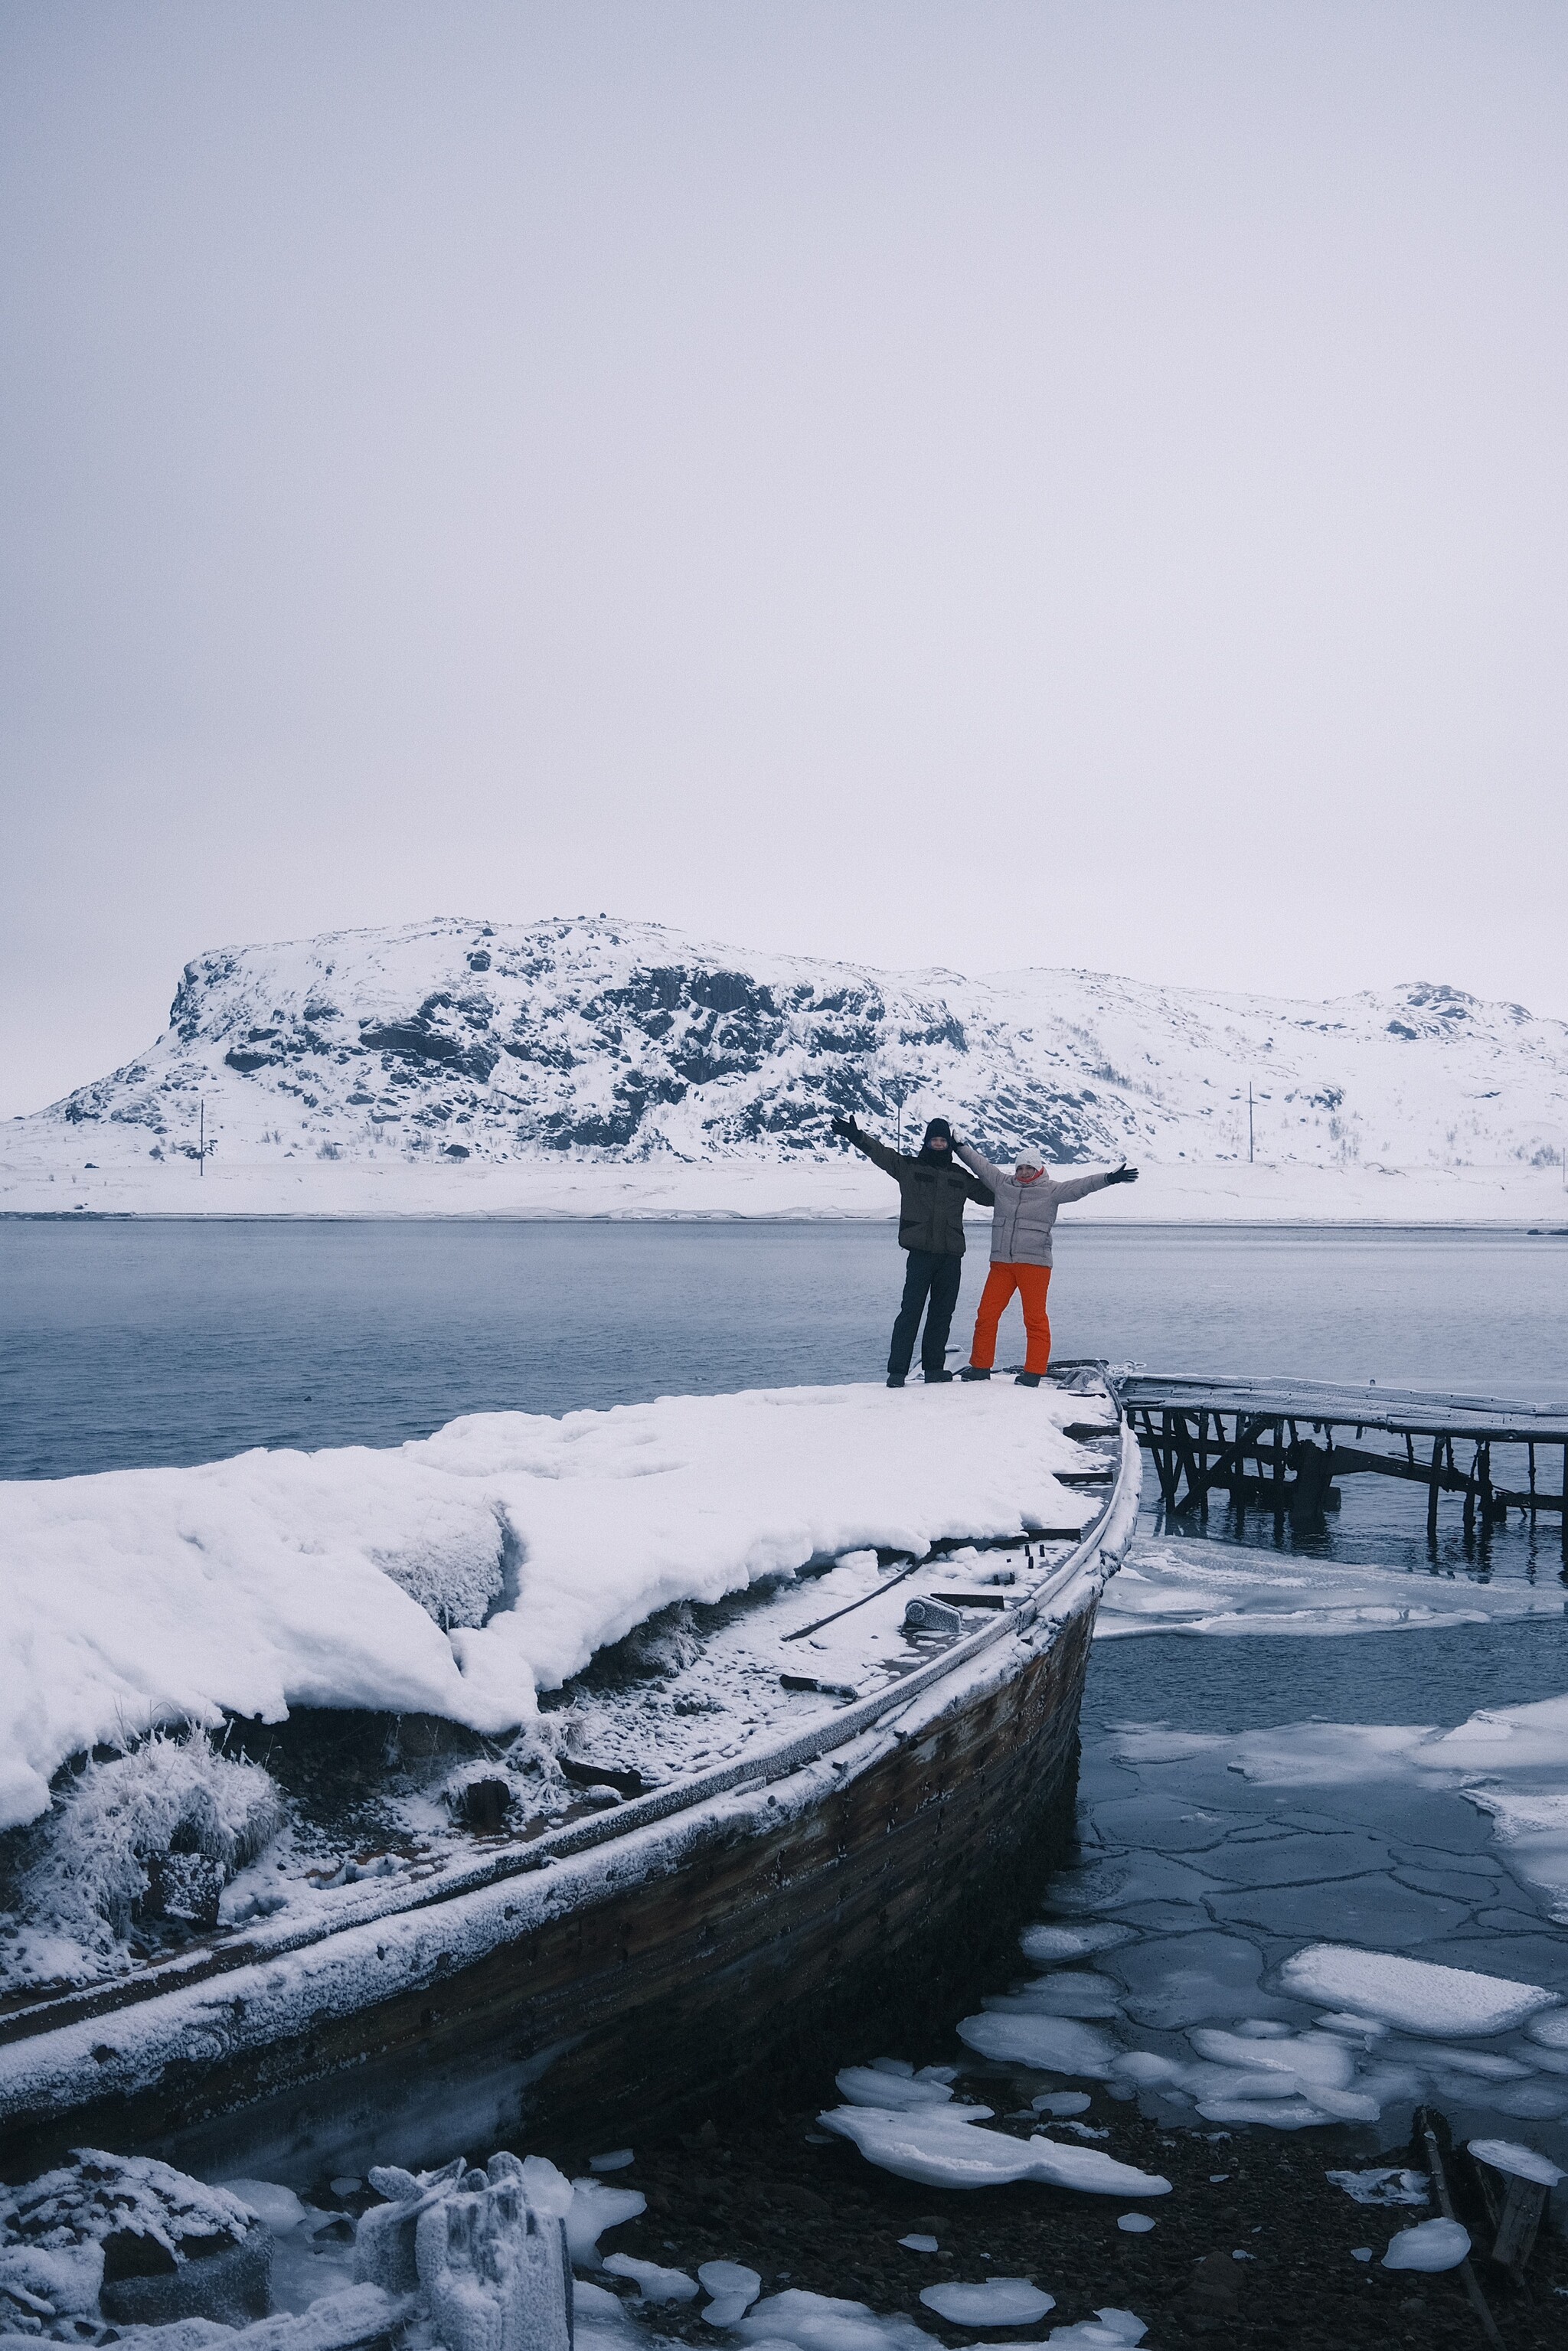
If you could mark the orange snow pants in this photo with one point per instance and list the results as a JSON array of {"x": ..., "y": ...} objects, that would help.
[{"x": 1031, "y": 1282}]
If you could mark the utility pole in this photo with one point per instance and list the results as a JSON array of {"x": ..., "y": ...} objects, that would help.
[
  {"x": 899, "y": 1089},
  {"x": 1248, "y": 1121},
  {"x": 201, "y": 1149}
]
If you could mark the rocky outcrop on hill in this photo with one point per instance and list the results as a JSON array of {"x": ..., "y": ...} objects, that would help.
[{"x": 472, "y": 1041}]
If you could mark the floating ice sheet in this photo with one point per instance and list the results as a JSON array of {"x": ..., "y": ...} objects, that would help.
[
  {"x": 1519, "y": 2162},
  {"x": 1076, "y": 1991},
  {"x": 1055, "y": 2044},
  {"x": 868, "y": 2086},
  {"x": 1182, "y": 1587},
  {"x": 1048, "y": 1947},
  {"x": 1413, "y": 1994},
  {"x": 999, "y": 2302}
]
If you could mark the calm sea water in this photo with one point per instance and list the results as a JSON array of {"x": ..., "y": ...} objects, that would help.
[{"x": 123, "y": 1345}]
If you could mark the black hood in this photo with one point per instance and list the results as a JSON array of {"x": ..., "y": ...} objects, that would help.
[{"x": 940, "y": 1158}]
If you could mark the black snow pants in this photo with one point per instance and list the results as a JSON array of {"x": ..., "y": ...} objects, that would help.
[{"x": 937, "y": 1278}]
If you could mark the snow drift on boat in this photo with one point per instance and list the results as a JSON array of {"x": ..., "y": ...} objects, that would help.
[{"x": 460, "y": 1574}]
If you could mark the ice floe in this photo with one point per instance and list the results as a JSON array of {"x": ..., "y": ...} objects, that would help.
[
  {"x": 280, "y": 2207},
  {"x": 1108, "y": 2330},
  {"x": 826, "y": 2321},
  {"x": 946, "y": 2148},
  {"x": 1188, "y": 1588},
  {"x": 1136, "y": 2224},
  {"x": 1049, "y": 1946},
  {"x": 999, "y": 2302},
  {"x": 1429, "y": 2245},
  {"x": 733, "y": 2287},
  {"x": 1520, "y": 2162},
  {"x": 1074, "y": 1992},
  {"x": 653, "y": 2282},
  {"x": 1413, "y": 1994},
  {"x": 592, "y": 2208},
  {"x": 1054, "y": 2043},
  {"x": 869, "y": 2085},
  {"x": 596, "y": 2303}
]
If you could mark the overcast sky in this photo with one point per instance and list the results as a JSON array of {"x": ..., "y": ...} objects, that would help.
[{"x": 974, "y": 483}]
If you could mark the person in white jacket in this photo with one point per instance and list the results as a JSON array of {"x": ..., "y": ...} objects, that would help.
[{"x": 1021, "y": 1221}]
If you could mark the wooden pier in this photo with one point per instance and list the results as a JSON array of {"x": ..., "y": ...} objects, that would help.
[{"x": 1279, "y": 1445}]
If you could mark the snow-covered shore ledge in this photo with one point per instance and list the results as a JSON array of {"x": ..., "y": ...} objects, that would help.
[{"x": 736, "y": 1190}]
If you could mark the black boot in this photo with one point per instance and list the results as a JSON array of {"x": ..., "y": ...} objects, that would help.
[
  {"x": 973, "y": 1371},
  {"x": 1029, "y": 1379},
  {"x": 934, "y": 1379},
  {"x": 895, "y": 1379}
]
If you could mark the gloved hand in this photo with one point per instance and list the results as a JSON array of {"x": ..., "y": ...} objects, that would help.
[
  {"x": 846, "y": 1127},
  {"x": 1123, "y": 1175}
]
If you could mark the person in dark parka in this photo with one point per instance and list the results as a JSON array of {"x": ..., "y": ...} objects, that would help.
[{"x": 932, "y": 1191}]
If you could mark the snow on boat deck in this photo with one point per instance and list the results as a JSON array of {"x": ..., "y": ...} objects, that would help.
[{"x": 461, "y": 1574}]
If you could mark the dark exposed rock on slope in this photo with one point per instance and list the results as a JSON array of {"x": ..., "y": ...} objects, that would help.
[{"x": 463, "y": 1039}]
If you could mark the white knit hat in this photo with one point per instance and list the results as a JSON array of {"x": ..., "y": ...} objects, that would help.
[{"x": 1027, "y": 1158}]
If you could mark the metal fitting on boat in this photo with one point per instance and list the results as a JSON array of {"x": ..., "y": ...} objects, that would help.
[{"x": 927, "y": 1616}]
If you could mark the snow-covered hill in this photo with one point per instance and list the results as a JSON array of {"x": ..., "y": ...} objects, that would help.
[{"x": 463, "y": 1043}]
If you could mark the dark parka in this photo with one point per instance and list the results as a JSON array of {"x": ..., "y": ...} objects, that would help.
[{"x": 931, "y": 1194}]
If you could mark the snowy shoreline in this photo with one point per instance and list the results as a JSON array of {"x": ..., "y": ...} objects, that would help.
[{"x": 738, "y": 1191}]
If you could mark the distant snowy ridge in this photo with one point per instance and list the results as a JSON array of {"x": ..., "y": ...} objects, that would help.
[{"x": 454, "y": 1043}]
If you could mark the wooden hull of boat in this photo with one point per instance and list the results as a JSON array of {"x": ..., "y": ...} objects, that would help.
[{"x": 756, "y": 1954}]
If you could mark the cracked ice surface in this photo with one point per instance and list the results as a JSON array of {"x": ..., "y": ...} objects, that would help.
[{"x": 1195, "y": 1930}]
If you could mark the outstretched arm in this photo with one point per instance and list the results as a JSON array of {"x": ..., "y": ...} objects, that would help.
[
  {"x": 877, "y": 1152},
  {"x": 1078, "y": 1187},
  {"x": 978, "y": 1165}
]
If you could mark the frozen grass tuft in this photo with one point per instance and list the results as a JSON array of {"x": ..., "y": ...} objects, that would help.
[{"x": 157, "y": 1832}]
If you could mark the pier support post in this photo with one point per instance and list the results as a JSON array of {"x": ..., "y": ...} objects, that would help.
[
  {"x": 1562, "y": 1513},
  {"x": 1472, "y": 1482},
  {"x": 1433, "y": 1489}
]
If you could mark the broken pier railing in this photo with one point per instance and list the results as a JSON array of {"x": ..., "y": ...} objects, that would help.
[{"x": 1279, "y": 1445}]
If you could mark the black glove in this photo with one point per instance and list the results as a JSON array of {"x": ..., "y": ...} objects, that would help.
[
  {"x": 1123, "y": 1175},
  {"x": 846, "y": 1127}
]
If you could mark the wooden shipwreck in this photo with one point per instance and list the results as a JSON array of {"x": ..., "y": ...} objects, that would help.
[{"x": 658, "y": 1946}]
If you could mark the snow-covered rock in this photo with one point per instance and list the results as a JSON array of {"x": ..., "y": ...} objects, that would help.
[{"x": 460, "y": 1042}]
